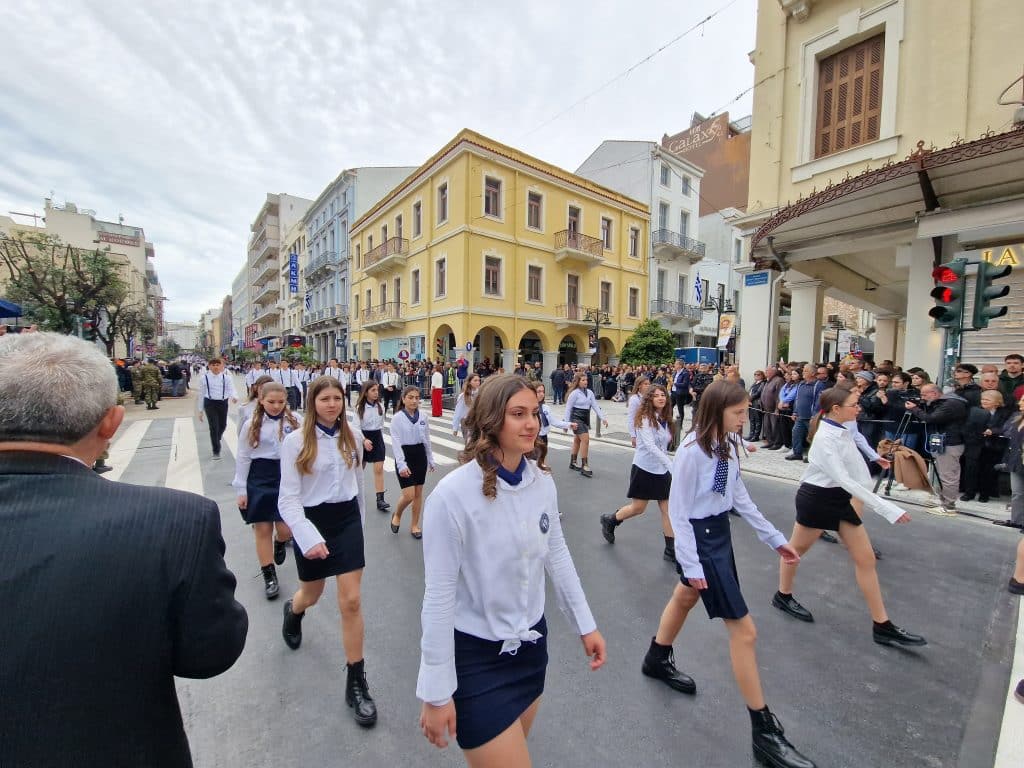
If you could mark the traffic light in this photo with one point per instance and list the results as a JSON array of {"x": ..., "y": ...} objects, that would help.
[
  {"x": 89, "y": 330},
  {"x": 984, "y": 292},
  {"x": 948, "y": 294}
]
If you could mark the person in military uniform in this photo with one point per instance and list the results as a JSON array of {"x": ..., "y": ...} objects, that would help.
[
  {"x": 136, "y": 373},
  {"x": 151, "y": 381}
]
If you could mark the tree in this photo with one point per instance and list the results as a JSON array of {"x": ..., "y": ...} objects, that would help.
[
  {"x": 305, "y": 355},
  {"x": 135, "y": 323},
  {"x": 57, "y": 283},
  {"x": 168, "y": 349},
  {"x": 650, "y": 344}
]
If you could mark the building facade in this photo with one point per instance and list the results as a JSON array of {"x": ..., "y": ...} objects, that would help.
[
  {"x": 326, "y": 266},
  {"x": 486, "y": 252},
  {"x": 670, "y": 186},
  {"x": 184, "y": 334},
  {"x": 879, "y": 150},
  {"x": 241, "y": 313}
]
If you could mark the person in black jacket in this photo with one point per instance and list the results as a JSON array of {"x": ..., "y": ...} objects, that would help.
[
  {"x": 872, "y": 409},
  {"x": 1013, "y": 431},
  {"x": 984, "y": 447},
  {"x": 963, "y": 376},
  {"x": 110, "y": 590},
  {"x": 944, "y": 417},
  {"x": 754, "y": 411},
  {"x": 895, "y": 400}
]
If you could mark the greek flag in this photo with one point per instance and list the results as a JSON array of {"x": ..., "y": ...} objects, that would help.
[
  {"x": 309, "y": 300},
  {"x": 698, "y": 293}
]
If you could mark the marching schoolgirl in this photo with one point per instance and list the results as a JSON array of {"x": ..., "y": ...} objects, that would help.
[
  {"x": 321, "y": 499},
  {"x": 547, "y": 419},
  {"x": 650, "y": 476},
  {"x": 835, "y": 476},
  {"x": 410, "y": 444},
  {"x": 258, "y": 477},
  {"x": 246, "y": 409},
  {"x": 633, "y": 405},
  {"x": 492, "y": 530},
  {"x": 371, "y": 423},
  {"x": 706, "y": 485},
  {"x": 577, "y": 410},
  {"x": 462, "y": 405}
]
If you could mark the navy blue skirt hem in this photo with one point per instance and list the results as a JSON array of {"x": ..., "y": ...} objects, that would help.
[
  {"x": 261, "y": 489},
  {"x": 722, "y": 599},
  {"x": 416, "y": 461},
  {"x": 342, "y": 528},
  {"x": 377, "y": 453}
]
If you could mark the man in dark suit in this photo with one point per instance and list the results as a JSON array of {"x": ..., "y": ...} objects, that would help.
[{"x": 110, "y": 590}]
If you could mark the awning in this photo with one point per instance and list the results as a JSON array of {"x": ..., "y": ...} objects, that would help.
[{"x": 9, "y": 309}]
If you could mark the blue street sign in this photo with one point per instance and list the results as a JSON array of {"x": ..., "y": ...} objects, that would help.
[
  {"x": 755, "y": 278},
  {"x": 293, "y": 272}
]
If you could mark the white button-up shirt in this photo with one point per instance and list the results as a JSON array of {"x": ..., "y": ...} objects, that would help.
[
  {"x": 404, "y": 432},
  {"x": 631, "y": 408},
  {"x": 372, "y": 418},
  {"x": 215, "y": 386},
  {"x": 272, "y": 434},
  {"x": 693, "y": 498},
  {"x": 330, "y": 481},
  {"x": 484, "y": 562},
  {"x": 652, "y": 448}
]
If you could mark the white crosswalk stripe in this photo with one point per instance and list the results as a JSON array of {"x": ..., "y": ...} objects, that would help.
[
  {"x": 183, "y": 471},
  {"x": 124, "y": 447}
]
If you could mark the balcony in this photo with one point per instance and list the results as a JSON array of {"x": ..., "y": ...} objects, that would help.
[
  {"x": 264, "y": 269},
  {"x": 670, "y": 245},
  {"x": 389, "y": 315},
  {"x": 264, "y": 313},
  {"x": 262, "y": 246},
  {"x": 322, "y": 266},
  {"x": 577, "y": 247},
  {"x": 329, "y": 316},
  {"x": 675, "y": 311},
  {"x": 575, "y": 315},
  {"x": 388, "y": 255},
  {"x": 270, "y": 291},
  {"x": 269, "y": 332}
]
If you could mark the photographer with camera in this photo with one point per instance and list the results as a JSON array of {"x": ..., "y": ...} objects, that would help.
[
  {"x": 895, "y": 400},
  {"x": 944, "y": 417}
]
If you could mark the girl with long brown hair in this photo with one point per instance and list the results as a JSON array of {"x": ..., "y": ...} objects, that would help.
[
  {"x": 410, "y": 443},
  {"x": 706, "y": 486},
  {"x": 835, "y": 477},
  {"x": 547, "y": 419},
  {"x": 245, "y": 410},
  {"x": 492, "y": 529},
  {"x": 469, "y": 390},
  {"x": 321, "y": 499},
  {"x": 371, "y": 422},
  {"x": 578, "y": 405},
  {"x": 258, "y": 479},
  {"x": 650, "y": 476}
]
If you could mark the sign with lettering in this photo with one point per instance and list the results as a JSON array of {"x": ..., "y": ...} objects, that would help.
[
  {"x": 698, "y": 136},
  {"x": 110, "y": 237},
  {"x": 1004, "y": 255},
  {"x": 293, "y": 272},
  {"x": 755, "y": 278}
]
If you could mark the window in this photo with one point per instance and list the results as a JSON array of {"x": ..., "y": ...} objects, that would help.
[
  {"x": 666, "y": 175},
  {"x": 682, "y": 288},
  {"x": 634, "y": 242},
  {"x": 606, "y": 296},
  {"x": 606, "y": 233},
  {"x": 442, "y": 203},
  {"x": 440, "y": 283},
  {"x": 684, "y": 223},
  {"x": 369, "y": 299},
  {"x": 574, "y": 219},
  {"x": 384, "y": 233},
  {"x": 369, "y": 243},
  {"x": 355, "y": 306},
  {"x": 721, "y": 295},
  {"x": 398, "y": 290},
  {"x": 398, "y": 226},
  {"x": 686, "y": 185},
  {"x": 492, "y": 276},
  {"x": 533, "y": 278},
  {"x": 736, "y": 301},
  {"x": 737, "y": 250},
  {"x": 662, "y": 277},
  {"x": 533, "y": 215},
  {"x": 849, "y": 97},
  {"x": 634, "y": 302},
  {"x": 492, "y": 196},
  {"x": 357, "y": 255},
  {"x": 417, "y": 219},
  {"x": 662, "y": 215},
  {"x": 383, "y": 294},
  {"x": 704, "y": 288}
]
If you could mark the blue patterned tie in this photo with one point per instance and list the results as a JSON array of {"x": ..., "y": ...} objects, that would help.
[{"x": 721, "y": 475}]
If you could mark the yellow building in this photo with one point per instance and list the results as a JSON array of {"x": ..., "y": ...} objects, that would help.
[
  {"x": 880, "y": 148},
  {"x": 486, "y": 252}
]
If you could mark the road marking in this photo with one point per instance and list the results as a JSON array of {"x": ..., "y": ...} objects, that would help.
[
  {"x": 122, "y": 449},
  {"x": 1010, "y": 752},
  {"x": 183, "y": 472},
  {"x": 230, "y": 438},
  {"x": 440, "y": 459}
]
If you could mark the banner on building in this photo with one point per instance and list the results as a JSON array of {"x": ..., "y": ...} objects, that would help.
[
  {"x": 726, "y": 324},
  {"x": 250, "y": 336},
  {"x": 293, "y": 272}
]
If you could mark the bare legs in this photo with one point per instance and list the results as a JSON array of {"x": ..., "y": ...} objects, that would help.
[
  {"x": 581, "y": 446},
  {"x": 349, "y": 604},
  {"x": 1018, "y": 570},
  {"x": 264, "y": 534},
  {"x": 638, "y": 507},
  {"x": 378, "y": 476},
  {"x": 410, "y": 496}
]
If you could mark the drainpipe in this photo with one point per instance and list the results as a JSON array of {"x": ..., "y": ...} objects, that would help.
[{"x": 780, "y": 260}]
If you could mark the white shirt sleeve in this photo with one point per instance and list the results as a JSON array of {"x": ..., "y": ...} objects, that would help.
[
  {"x": 289, "y": 500},
  {"x": 597, "y": 408},
  {"x": 831, "y": 464},
  {"x": 203, "y": 394},
  {"x": 243, "y": 459},
  {"x": 681, "y": 497},
  {"x": 631, "y": 408},
  {"x": 862, "y": 442},
  {"x": 396, "y": 440},
  {"x": 461, "y": 409},
  {"x": 229, "y": 389},
  {"x": 554, "y": 421},
  {"x": 647, "y": 445},
  {"x": 426, "y": 442},
  {"x": 566, "y": 582}
]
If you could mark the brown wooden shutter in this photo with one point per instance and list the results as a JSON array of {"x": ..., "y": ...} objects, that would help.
[{"x": 849, "y": 97}]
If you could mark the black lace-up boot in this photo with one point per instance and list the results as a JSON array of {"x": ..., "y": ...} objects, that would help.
[{"x": 357, "y": 696}]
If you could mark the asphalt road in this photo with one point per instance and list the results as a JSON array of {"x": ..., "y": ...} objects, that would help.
[{"x": 843, "y": 700}]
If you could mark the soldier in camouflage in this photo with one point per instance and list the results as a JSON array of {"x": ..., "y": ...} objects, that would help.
[
  {"x": 136, "y": 374},
  {"x": 151, "y": 380}
]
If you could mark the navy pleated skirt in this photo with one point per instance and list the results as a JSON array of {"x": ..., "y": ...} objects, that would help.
[
  {"x": 495, "y": 688},
  {"x": 416, "y": 461},
  {"x": 376, "y": 453},
  {"x": 261, "y": 490},
  {"x": 342, "y": 528},
  {"x": 824, "y": 508},
  {"x": 723, "y": 598},
  {"x": 648, "y": 486}
]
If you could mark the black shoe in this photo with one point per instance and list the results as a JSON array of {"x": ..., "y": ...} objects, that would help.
[
  {"x": 788, "y": 604},
  {"x": 270, "y": 585},
  {"x": 357, "y": 696},
  {"x": 382, "y": 505},
  {"x": 280, "y": 551},
  {"x": 608, "y": 525},
  {"x": 660, "y": 663},
  {"x": 890, "y": 634},
  {"x": 292, "y": 627},
  {"x": 585, "y": 470},
  {"x": 967, "y": 497},
  {"x": 771, "y": 747},
  {"x": 774, "y": 447},
  {"x": 794, "y": 457},
  {"x": 573, "y": 465},
  {"x": 983, "y": 499},
  {"x": 216, "y": 457},
  {"x": 156, "y": 407},
  {"x": 394, "y": 526},
  {"x": 1015, "y": 587},
  {"x": 804, "y": 460},
  {"x": 669, "y": 555},
  {"x": 830, "y": 537}
]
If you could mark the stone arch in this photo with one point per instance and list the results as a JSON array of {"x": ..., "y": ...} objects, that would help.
[
  {"x": 489, "y": 342},
  {"x": 532, "y": 346},
  {"x": 570, "y": 346},
  {"x": 441, "y": 343},
  {"x": 605, "y": 351}
]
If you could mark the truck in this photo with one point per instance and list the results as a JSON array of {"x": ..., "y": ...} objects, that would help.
[{"x": 697, "y": 355}]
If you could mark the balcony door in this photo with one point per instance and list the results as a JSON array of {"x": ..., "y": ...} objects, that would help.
[
  {"x": 572, "y": 296},
  {"x": 574, "y": 225}
]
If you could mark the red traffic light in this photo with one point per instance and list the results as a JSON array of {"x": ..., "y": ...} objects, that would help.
[
  {"x": 944, "y": 275},
  {"x": 945, "y": 295}
]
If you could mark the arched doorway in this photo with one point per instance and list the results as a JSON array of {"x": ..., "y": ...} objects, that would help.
[
  {"x": 531, "y": 348},
  {"x": 605, "y": 351},
  {"x": 442, "y": 344},
  {"x": 567, "y": 350},
  {"x": 488, "y": 344}
]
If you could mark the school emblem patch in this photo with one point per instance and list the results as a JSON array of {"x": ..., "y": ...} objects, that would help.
[{"x": 545, "y": 523}]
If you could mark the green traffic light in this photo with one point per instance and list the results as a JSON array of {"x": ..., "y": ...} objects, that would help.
[{"x": 985, "y": 292}]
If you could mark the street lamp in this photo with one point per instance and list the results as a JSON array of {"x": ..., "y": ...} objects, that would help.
[
  {"x": 720, "y": 306},
  {"x": 598, "y": 318}
]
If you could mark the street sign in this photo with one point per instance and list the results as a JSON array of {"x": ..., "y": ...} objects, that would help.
[
  {"x": 469, "y": 346},
  {"x": 403, "y": 354},
  {"x": 755, "y": 278},
  {"x": 339, "y": 342}
]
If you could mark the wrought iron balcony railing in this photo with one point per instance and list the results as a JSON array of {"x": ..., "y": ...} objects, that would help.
[
  {"x": 676, "y": 309},
  {"x": 666, "y": 237},
  {"x": 395, "y": 246},
  {"x": 570, "y": 240}
]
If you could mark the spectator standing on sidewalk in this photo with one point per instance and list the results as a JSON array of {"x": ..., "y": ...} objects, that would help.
[
  {"x": 1013, "y": 431},
  {"x": 754, "y": 412},
  {"x": 963, "y": 376},
  {"x": 558, "y": 385},
  {"x": 1012, "y": 376},
  {"x": 803, "y": 409},
  {"x": 944, "y": 417},
  {"x": 769, "y": 405}
]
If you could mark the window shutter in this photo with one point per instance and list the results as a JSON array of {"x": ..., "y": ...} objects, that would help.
[{"x": 849, "y": 97}]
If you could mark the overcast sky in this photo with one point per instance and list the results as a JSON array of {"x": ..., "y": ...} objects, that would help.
[{"x": 182, "y": 116}]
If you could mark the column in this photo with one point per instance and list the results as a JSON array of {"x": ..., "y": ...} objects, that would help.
[
  {"x": 583, "y": 359},
  {"x": 922, "y": 342},
  {"x": 550, "y": 362},
  {"x": 807, "y": 304},
  {"x": 508, "y": 359},
  {"x": 901, "y": 336},
  {"x": 886, "y": 330},
  {"x": 759, "y": 320}
]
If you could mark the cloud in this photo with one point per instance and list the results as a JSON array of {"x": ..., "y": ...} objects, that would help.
[{"x": 183, "y": 116}]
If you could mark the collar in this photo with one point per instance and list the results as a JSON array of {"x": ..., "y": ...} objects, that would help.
[
  {"x": 41, "y": 463},
  {"x": 413, "y": 417},
  {"x": 275, "y": 418},
  {"x": 329, "y": 431},
  {"x": 513, "y": 478},
  {"x": 833, "y": 423}
]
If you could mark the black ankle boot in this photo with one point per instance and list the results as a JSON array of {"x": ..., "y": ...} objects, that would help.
[
  {"x": 608, "y": 525},
  {"x": 670, "y": 550},
  {"x": 292, "y": 627},
  {"x": 280, "y": 551},
  {"x": 270, "y": 586},
  {"x": 572, "y": 463},
  {"x": 771, "y": 747},
  {"x": 660, "y": 663},
  {"x": 357, "y": 696},
  {"x": 585, "y": 469},
  {"x": 382, "y": 505}
]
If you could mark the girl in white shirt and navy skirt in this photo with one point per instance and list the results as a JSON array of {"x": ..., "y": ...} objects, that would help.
[
  {"x": 650, "y": 476},
  {"x": 371, "y": 423},
  {"x": 410, "y": 442},
  {"x": 633, "y": 405},
  {"x": 462, "y": 405},
  {"x": 492, "y": 529},
  {"x": 706, "y": 486},
  {"x": 547, "y": 419},
  {"x": 836, "y": 478},
  {"x": 577, "y": 410},
  {"x": 258, "y": 478},
  {"x": 321, "y": 499}
]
